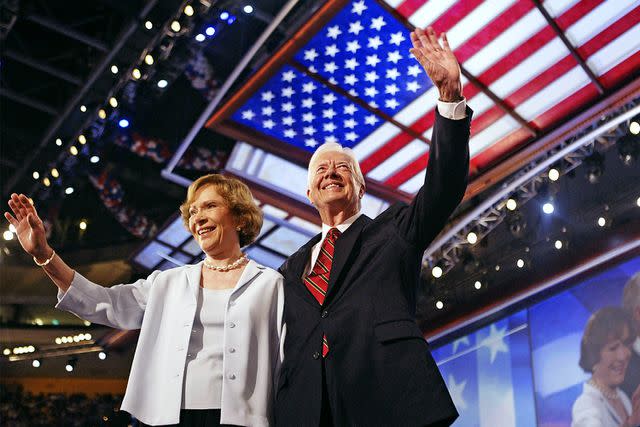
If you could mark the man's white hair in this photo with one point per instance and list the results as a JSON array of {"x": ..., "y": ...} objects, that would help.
[
  {"x": 631, "y": 294},
  {"x": 334, "y": 146}
]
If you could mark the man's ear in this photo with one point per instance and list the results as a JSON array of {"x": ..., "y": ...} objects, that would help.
[
  {"x": 361, "y": 191},
  {"x": 309, "y": 196}
]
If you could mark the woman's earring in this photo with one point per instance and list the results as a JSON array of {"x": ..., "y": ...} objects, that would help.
[{"x": 238, "y": 229}]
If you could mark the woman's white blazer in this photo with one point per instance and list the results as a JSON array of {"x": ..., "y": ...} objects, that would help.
[{"x": 163, "y": 307}]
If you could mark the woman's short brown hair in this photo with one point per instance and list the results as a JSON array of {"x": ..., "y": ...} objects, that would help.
[
  {"x": 239, "y": 201},
  {"x": 604, "y": 325}
]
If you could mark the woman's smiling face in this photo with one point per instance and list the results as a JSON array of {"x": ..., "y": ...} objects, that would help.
[
  {"x": 212, "y": 223},
  {"x": 614, "y": 359}
]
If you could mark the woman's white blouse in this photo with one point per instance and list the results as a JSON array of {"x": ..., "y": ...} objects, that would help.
[
  {"x": 202, "y": 386},
  {"x": 591, "y": 409},
  {"x": 163, "y": 306}
]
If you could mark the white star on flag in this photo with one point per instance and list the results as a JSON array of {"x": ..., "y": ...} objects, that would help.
[
  {"x": 331, "y": 50},
  {"x": 330, "y": 139},
  {"x": 267, "y": 96},
  {"x": 351, "y": 63},
  {"x": 371, "y": 91},
  {"x": 413, "y": 86},
  {"x": 350, "y": 123},
  {"x": 248, "y": 115},
  {"x": 310, "y": 142},
  {"x": 397, "y": 38},
  {"x": 268, "y": 124},
  {"x": 329, "y": 127},
  {"x": 309, "y": 130},
  {"x": 359, "y": 7},
  {"x": 391, "y": 103},
  {"x": 308, "y": 117},
  {"x": 350, "y": 79},
  {"x": 455, "y": 390},
  {"x": 329, "y": 98},
  {"x": 287, "y": 107},
  {"x": 328, "y": 114},
  {"x": 414, "y": 70},
  {"x": 371, "y": 76},
  {"x": 310, "y": 55},
  {"x": 308, "y": 103},
  {"x": 460, "y": 341},
  {"x": 394, "y": 57},
  {"x": 268, "y": 110},
  {"x": 288, "y": 92},
  {"x": 290, "y": 133},
  {"x": 349, "y": 109},
  {"x": 391, "y": 89},
  {"x": 393, "y": 73},
  {"x": 495, "y": 341},
  {"x": 288, "y": 121},
  {"x": 288, "y": 76},
  {"x": 308, "y": 87},
  {"x": 371, "y": 120},
  {"x": 333, "y": 32},
  {"x": 355, "y": 27},
  {"x": 374, "y": 42},
  {"x": 373, "y": 60},
  {"x": 330, "y": 67},
  {"x": 353, "y": 46},
  {"x": 378, "y": 23},
  {"x": 351, "y": 136}
]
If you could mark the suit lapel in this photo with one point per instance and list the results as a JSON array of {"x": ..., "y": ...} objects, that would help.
[
  {"x": 296, "y": 268},
  {"x": 343, "y": 250}
]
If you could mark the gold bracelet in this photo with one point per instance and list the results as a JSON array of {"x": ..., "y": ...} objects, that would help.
[{"x": 42, "y": 264}]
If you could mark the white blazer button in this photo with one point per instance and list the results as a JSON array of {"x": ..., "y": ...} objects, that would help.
[
  {"x": 232, "y": 350},
  {"x": 232, "y": 325},
  {"x": 231, "y": 376}
]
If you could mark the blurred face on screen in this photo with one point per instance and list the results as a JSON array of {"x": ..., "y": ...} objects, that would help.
[{"x": 614, "y": 359}]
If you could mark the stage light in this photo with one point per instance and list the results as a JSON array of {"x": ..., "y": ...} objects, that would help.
[
  {"x": 83, "y": 225},
  {"x": 436, "y": 271},
  {"x": 247, "y": 9},
  {"x": 113, "y": 102},
  {"x": 58, "y": 142},
  {"x": 102, "y": 114},
  {"x": 472, "y": 238},
  {"x": 477, "y": 284},
  {"x": 73, "y": 150},
  {"x": 210, "y": 31},
  {"x": 35, "y": 175},
  {"x": 68, "y": 190},
  {"x": 148, "y": 25},
  {"x": 6, "y": 352},
  {"x": 553, "y": 174},
  {"x": 58, "y": 340},
  {"x": 638, "y": 202},
  {"x": 12, "y": 228},
  {"x": 94, "y": 159},
  {"x": 175, "y": 26},
  {"x": 512, "y": 204},
  {"x": 136, "y": 74},
  {"x": 7, "y": 235},
  {"x": 634, "y": 125},
  {"x": 231, "y": 20},
  {"x": 114, "y": 69},
  {"x": 628, "y": 149},
  {"x": 602, "y": 221},
  {"x": 123, "y": 123},
  {"x": 548, "y": 208},
  {"x": 224, "y": 15},
  {"x": 520, "y": 263},
  {"x": 69, "y": 366},
  {"x": 162, "y": 83},
  {"x": 439, "y": 305},
  {"x": 82, "y": 139},
  {"x": 148, "y": 59},
  {"x": 200, "y": 38},
  {"x": 594, "y": 165},
  {"x": 188, "y": 10},
  {"x": 55, "y": 173},
  {"x": 83, "y": 108},
  {"x": 558, "y": 244},
  {"x": 102, "y": 355},
  {"x": 46, "y": 181},
  {"x": 35, "y": 363}
]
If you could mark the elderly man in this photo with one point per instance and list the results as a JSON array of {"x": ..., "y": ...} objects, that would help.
[
  {"x": 631, "y": 304},
  {"x": 353, "y": 353}
]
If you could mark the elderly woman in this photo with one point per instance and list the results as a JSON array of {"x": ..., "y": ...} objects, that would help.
[
  {"x": 604, "y": 352},
  {"x": 209, "y": 333}
]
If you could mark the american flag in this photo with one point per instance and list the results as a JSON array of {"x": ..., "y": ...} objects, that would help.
[{"x": 363, "y": 52}]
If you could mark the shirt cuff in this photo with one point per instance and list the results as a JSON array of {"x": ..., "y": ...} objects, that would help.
[{"x": 453, "y": 110}]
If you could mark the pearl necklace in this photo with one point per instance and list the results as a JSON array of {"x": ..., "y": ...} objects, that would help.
[
  {"x": 608, "y": 394},
  {"x": 227, "y": 267}
]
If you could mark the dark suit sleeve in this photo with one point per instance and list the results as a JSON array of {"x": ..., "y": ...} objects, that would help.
[{"x": 445, "y": 182}]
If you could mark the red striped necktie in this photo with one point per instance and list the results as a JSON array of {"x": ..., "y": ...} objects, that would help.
[{"x": 318, "y": 279}]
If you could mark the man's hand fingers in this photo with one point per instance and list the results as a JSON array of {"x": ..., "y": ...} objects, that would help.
[
  {"x": 16, "y": 209},
  {"x": 34, "y": 222},
  {"x": 11, "y": 219},
  {"x": 445, "y": 42}
]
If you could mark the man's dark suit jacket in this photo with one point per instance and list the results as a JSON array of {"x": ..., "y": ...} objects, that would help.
[
  {"x": 379, "y": 370},
  {"x": 632, "y": 376}
]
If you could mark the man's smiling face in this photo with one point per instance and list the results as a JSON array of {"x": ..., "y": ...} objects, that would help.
[{"x": 333, "y": 185}]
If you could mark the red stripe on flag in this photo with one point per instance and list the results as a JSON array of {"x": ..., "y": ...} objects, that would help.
[
  {"x": 487, "y": 158},
  {"x": 408, "y": 171},
  {"x": 384, "y": 152},
  {"x": 624, "y": 69},
  {"x": 409, "y": 7},
  {"x": 454, "y": 14}
]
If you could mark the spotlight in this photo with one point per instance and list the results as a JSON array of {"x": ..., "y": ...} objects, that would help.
[
  {"x": 200, "y": 38},
  {"x": 594, "y": 165},
  {"x": 113, "y": 102},
  {"x": 210, "y": 31},
  {"x": 148, "y": 25},
  {"x": 553, "y": 174},
  {"x": 102, "y": 114},
  {"x": 73, "y": 150},
  {"x": 94, "y": 159},
  {"x": 136, "y": 74},
  {"x": 58, "y": 142},
  {"x": 55, "y": 173},
  {"x": 548, "y": 208},
  {"x": 477, "y": 284},
  {"x": 520, "y": 263},
  {"x": 162, "y": 83},
  {"x": 248, "y": 9},
  {"x": 436, "y": 271},
  {"x": 638, "y": 202},
  {"x": 175, "y": 26},
  {"x": 83, "y": 108},
  {"x": 68, "y": 190},
  {"x": 603, "y": 221},
  {"x": 224, "y": 15},
  {"x": 46, "y": 181},
  {"x": 114, "y": 69},
  {"x": 512, "y": 204},
  {"x": 188, "y": 10},
  {"x": 628, "y": 149},
  {"x": 102, "y": 355},
  {"x": 148, "y": 59},
  {"x": 70, "y": 365},
  {"x": 7, "y": 235},
  {"x": 6, "y": 352},
  {"x": 231, "y": 20},
  {"x": 82, "y": 139},
  {"x": 35, "y": 363},
  {"x": 35, "y": 175},
  {"x": 634, "y": 125},
  {"x": 472, "y": 238},
  {"x": 83, "y": 226},
  {"x": 123, "y": 123},
  {"x": 439, "y": 305}
]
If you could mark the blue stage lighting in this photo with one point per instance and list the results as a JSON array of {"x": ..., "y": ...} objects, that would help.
[
  {"x": 224, "y": 15},
  {"x": 123, "y": 123}
]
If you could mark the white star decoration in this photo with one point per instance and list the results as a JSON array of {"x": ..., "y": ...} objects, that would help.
[
  {"x": 331, "y": 50},
  {"x": 308, "y": 103},
  {"x": 495, "y": 342},
  {"x": 329, "y": 98},
  {"x": 290, "y": 133},
  {"x": 359, "y": 7},
  {"x": 355, "y": 27},
  {"x": 391, "y": 103},
  {"x": 308, "y": 87},
  {"x": 460, "y": 341},
  {"x": 350, "y": 79},
  {"x": 310, "y": 142},
  {"x": 353, "y": 46},
  {"x": 288, "y": 76},
  {"x": 350, "y": 123},
  {"x": 391, "y": 89},
  {"x": 413, "y": 86},
  {"x": 328, "y": 114},
  {"x": 378, "y": 23},
  {"x": 309, "y": 130},
  {"x": 349, "y": 109},
  {"x": 371, "y": 91},
  {"x": 414, "y": 70},
  {"x": 351, "y": 63},
  {"x": 371, "y": 76},
  {"x": 329, "y": 127},
  {"x": 330, "y": 67},
  {"x": 287, "y": 107},
  {"x": 374, "y": 42},
  {"x": 310, "y": 55},
  {"x": 351, "y": 136},
  {"x": 267, "y": 96},
  {"x": 373, "y": 60},
  {"x": 268, "y": 110},
  {"x": 456, "y": 390},
  {"x": 248, "y": 115},
  {"x": 268, "y": 124},
  {"x": 371, "y": 120},
  {"x": 288, "y": 121},
  {"x": 393, "y": 73},
  {"x": 397, "y": 38},
  {"x": 288, "y": 92},
  {"x": 334, "y": 32},
  {"x": 394, "y": 57},
  {"x": 308, "y": 117}
]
